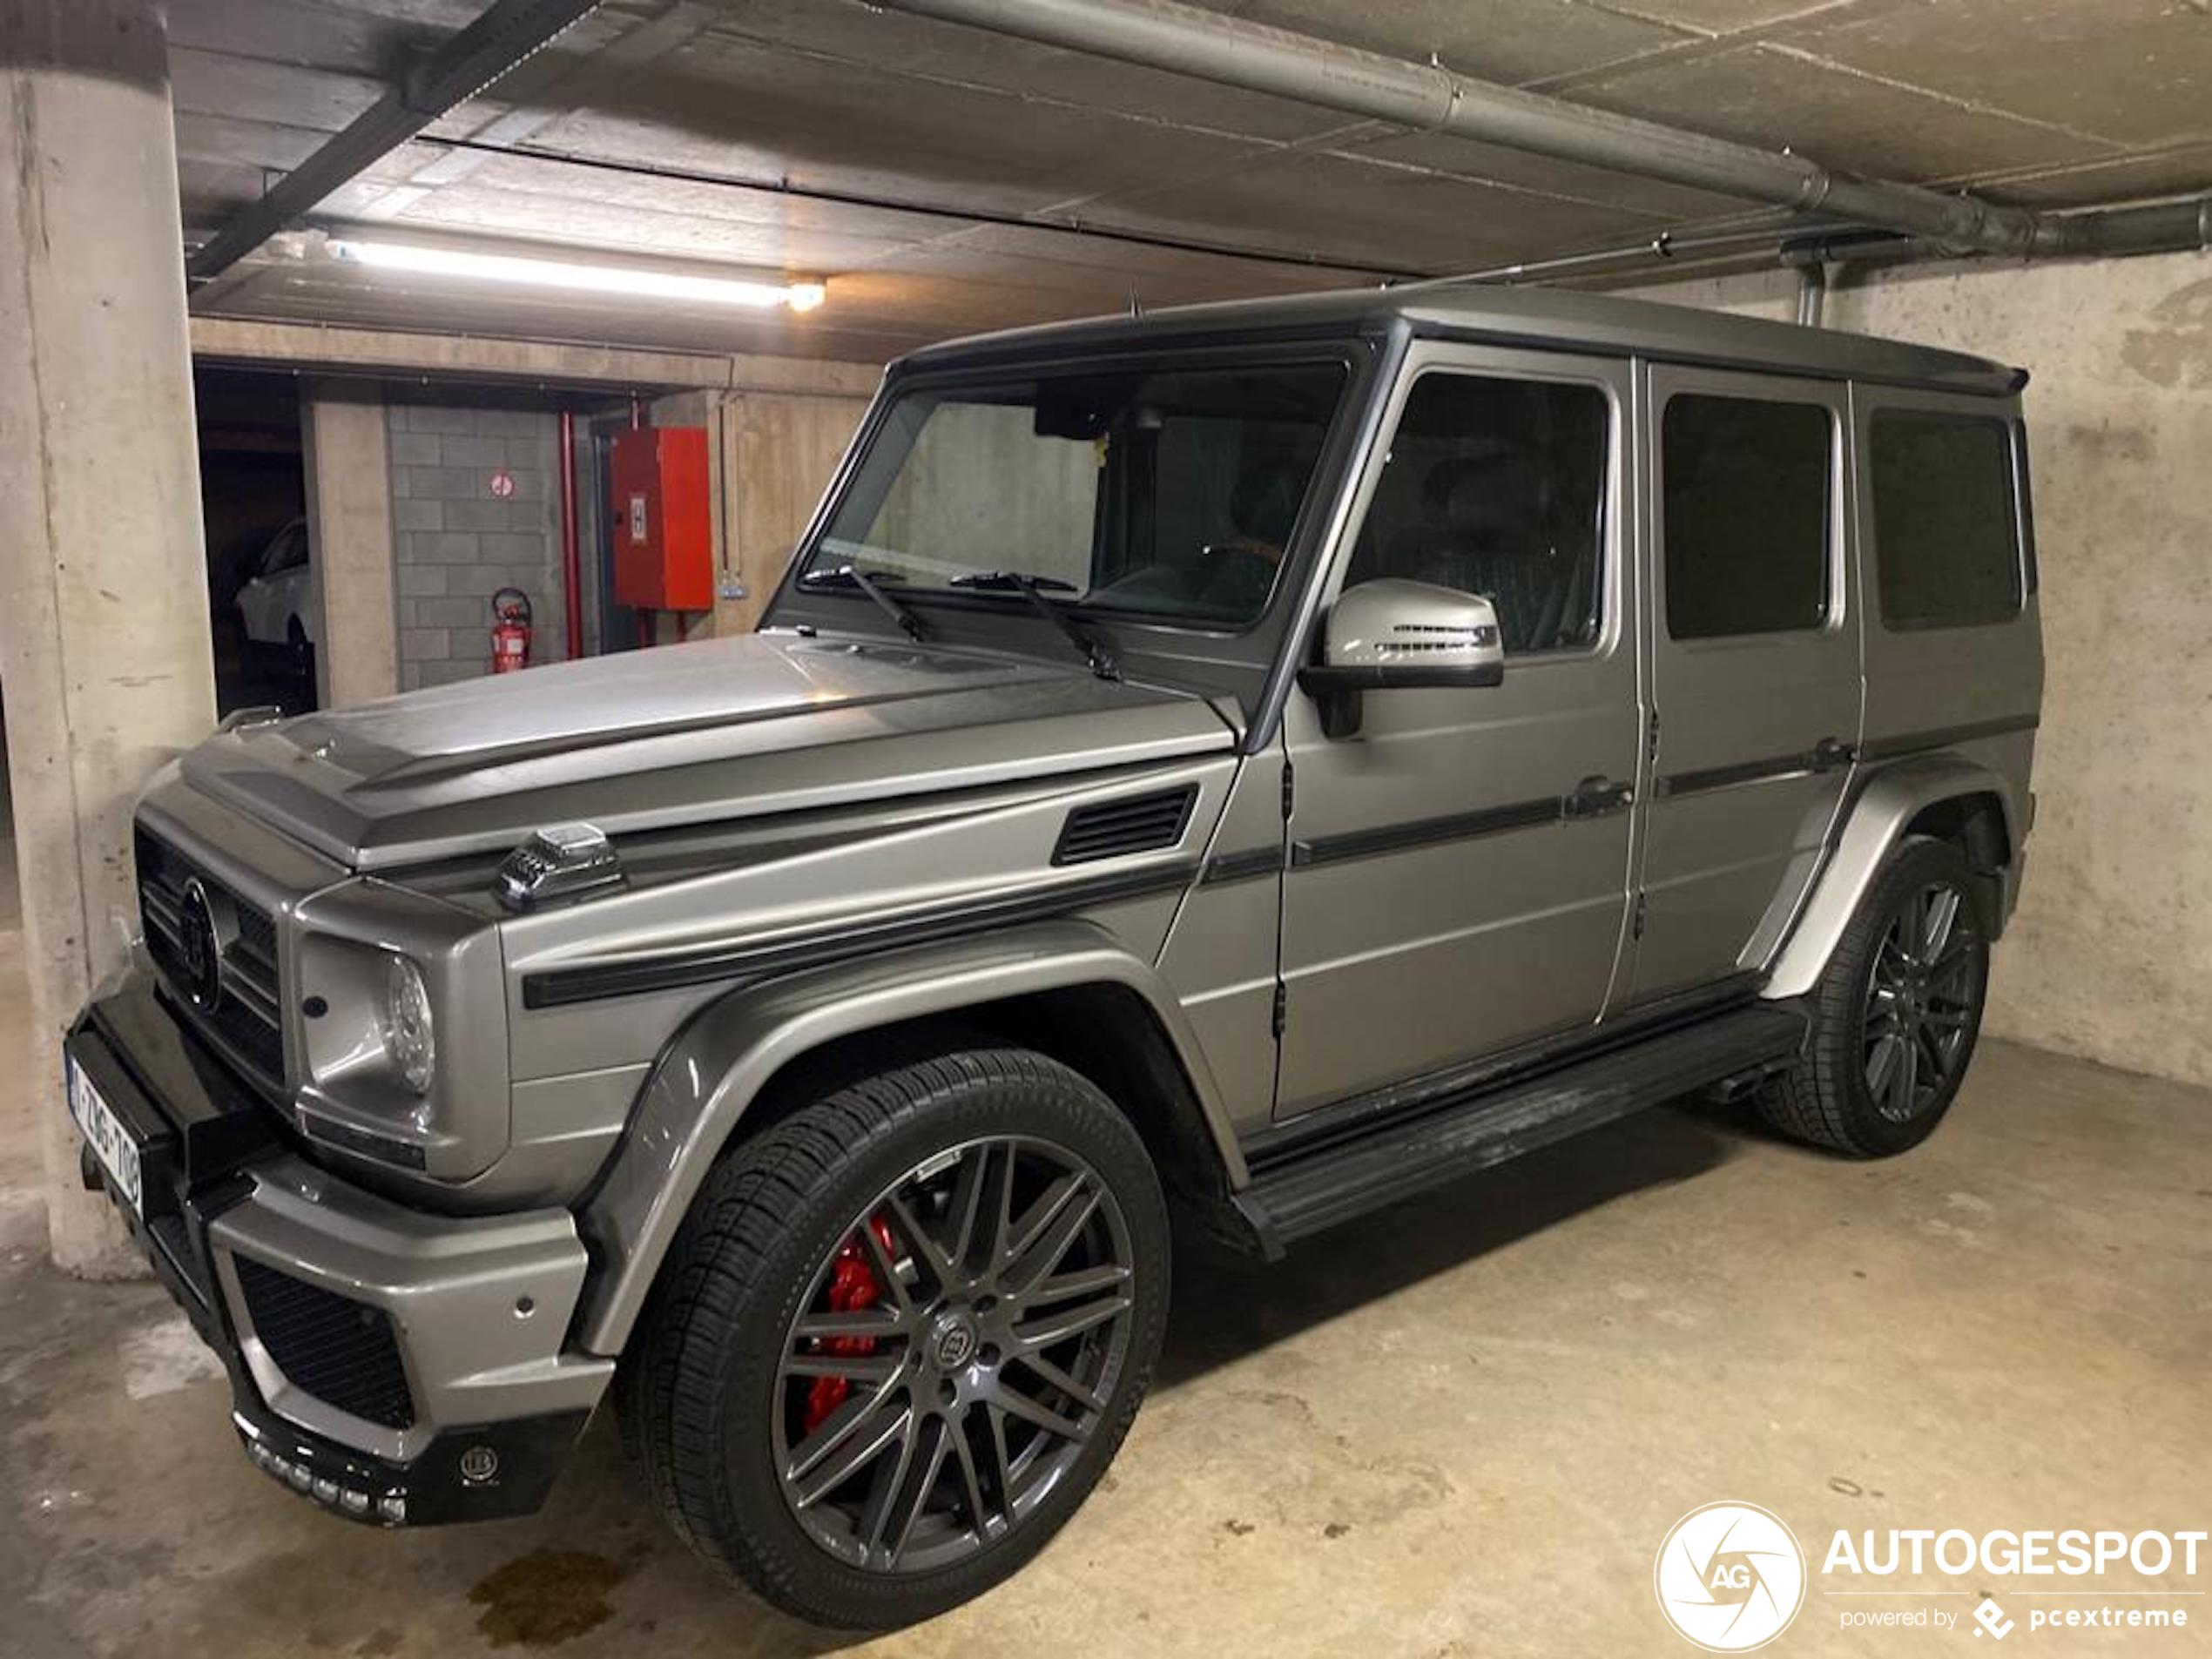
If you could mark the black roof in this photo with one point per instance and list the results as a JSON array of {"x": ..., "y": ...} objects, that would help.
[{"x": 1543, "y": 318}]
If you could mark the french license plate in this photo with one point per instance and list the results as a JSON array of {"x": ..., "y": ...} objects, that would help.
[{"x": 111, "y": 1142}]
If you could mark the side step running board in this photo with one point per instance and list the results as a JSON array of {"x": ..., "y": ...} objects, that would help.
[{"x": 1305, "y": 1193}]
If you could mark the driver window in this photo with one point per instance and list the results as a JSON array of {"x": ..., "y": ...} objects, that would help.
[{"x": 1497, "y": 487}]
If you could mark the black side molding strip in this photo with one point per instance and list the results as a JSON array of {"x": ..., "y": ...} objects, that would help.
[
  {"x": 1945, "y": 737},
  {"x": 558, "y": 987},
  {"x": 1421, "y": 832},
  {"x": 1238, "y": 867},
  {"x": 1829, "y": 754}
]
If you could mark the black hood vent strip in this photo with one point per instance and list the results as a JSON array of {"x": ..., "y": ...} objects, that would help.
[{"x": 1112, "y": 829}]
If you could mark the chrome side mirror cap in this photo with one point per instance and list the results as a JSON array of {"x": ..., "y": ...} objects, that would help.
[{"x": 1391, "y": 635}]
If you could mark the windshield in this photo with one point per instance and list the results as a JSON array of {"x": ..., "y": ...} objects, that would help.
[{"x": 1166, "y": 491}]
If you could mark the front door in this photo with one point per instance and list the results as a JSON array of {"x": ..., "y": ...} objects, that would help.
[
  {"x": 1449, "y": 891},
  {"x": 1755, "y": 666}
]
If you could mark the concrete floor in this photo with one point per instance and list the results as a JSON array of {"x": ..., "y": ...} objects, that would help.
[{"x": 1461, "y": 1427}]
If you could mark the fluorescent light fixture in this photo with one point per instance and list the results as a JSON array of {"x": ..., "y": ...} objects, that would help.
[{"x": 564, "y": 273}]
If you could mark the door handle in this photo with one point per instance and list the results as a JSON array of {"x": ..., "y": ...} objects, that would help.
[
  {"x": 1830, "y": 754},
  {"x": 1594, "y": 797}
]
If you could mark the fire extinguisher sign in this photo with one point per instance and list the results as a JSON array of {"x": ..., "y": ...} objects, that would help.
[{"x": 637, "y": 518}]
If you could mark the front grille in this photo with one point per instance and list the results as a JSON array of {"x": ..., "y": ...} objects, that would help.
[
  {"x": 339, "y": 1351},
  {"x": 243, "y": 1023}
]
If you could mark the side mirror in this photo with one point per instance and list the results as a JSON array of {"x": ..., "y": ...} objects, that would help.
[{"x": 1390, "y": 635}]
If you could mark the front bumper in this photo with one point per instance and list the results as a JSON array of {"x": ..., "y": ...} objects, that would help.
[{"x": 398, "y": 1367}]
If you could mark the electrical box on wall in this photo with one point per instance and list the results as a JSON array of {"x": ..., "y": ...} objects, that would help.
[{"x": 663, "y": 514}]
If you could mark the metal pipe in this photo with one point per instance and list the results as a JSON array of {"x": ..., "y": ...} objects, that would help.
[
  {"x": 2150, "y": 227},
  {"x": 1657, "y": 249},
  {"x": 1182, "y": 39},
  {"x": 1812, "y": 292},
  {"x": 572, "y": 554},
  {"x": 506, "y": 33}
]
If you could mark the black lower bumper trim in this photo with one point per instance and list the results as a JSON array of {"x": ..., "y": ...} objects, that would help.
[
  {"x": 494, "y": 1472},
  {"x": 199, "y": 1134}
]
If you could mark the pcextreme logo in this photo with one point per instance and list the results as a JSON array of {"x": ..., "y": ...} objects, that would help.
[{"x": 1729, "y": 1577}]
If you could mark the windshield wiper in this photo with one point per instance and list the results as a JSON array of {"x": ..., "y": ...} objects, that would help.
[
  {"x": 1097, "y": 654},
  {"x": 851, "y": 575}
]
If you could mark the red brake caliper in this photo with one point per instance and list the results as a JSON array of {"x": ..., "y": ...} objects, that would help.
[{"x": 852, "y": 1285}]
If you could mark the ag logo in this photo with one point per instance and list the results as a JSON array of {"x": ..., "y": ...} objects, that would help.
[{"x": 1729, "y": 1577}]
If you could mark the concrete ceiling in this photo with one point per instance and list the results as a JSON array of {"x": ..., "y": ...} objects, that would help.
[{"x": 946, "y": 181}]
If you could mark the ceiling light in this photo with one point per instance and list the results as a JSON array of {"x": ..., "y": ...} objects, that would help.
[{"x": 563, "y": 274}]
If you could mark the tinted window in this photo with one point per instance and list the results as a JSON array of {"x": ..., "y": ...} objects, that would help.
[
  {"x": 288, "y": 551},
  {"x": 1497, "y": 487},
  {"x": 1171, "y": 492},
  {"x": 1945, "y": 541},
  {"x": 1746, "y": 503}
]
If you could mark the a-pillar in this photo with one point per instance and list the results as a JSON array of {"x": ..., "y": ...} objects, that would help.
[{"x": 104, "y": 630}]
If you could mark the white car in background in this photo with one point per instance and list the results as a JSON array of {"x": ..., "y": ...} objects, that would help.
[{"x": 279, "y": 609}]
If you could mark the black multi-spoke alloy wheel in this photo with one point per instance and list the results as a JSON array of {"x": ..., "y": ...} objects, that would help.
[
  {"x": 1896, "y": 1014},
  {"x": 902, "y": 1334}
]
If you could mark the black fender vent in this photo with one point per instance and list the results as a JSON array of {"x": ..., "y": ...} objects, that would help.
[
  {"x": 338, "y": 1350},
  {"x": 1110, "y": 829}
]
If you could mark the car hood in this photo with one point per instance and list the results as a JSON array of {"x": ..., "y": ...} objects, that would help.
[{"x": 685, "y": 734}]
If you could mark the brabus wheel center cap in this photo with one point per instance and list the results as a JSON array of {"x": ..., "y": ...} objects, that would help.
[{"x": 952, "y": 1340}]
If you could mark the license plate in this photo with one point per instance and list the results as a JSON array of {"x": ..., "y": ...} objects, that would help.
[{"x": 110, "y": 1141}]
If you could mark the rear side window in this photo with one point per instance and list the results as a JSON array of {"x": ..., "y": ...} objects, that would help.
[
  {"x": 1746, "y": 512},
  {"x": 1947, "y": 542}
]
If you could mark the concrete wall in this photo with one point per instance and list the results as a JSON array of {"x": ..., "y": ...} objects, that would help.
[
  {"x": 459, "y": 541},
  {"x": 2110, "y": 956}
]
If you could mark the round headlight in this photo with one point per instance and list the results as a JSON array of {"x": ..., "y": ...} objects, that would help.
[{"x": 407, "y": 1023}]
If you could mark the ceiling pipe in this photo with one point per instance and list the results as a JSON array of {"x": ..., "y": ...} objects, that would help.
[
  {"x": 1813, "y": 293},
  {"x": 1183, "y": 40},
  {"x": 466, "y": 63},
  {"x": 1655, "y": 251}
]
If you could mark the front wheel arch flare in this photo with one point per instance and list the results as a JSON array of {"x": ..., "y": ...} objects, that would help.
[{"x": 705, "y": 1083}]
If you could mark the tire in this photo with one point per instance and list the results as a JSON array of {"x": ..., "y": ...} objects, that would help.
[
  {"x": 1883, "y": 1019},
  {"x": 960, "y": 1339}
]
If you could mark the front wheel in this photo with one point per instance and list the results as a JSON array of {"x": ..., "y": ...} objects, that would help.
[
  {"x": 902, "y": 1334},
  {"x": 1896, "y": 1014}
]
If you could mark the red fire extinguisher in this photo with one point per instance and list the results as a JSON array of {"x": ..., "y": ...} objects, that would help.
[{"x": 511, "y": 631}]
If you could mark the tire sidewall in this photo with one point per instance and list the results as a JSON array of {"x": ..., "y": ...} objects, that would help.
[{"x": 1051, "y": 1103}]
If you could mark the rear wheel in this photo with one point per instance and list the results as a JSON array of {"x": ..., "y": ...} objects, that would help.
[
  {"x": 1895, "y": 1016},
  {"x": 902, "y": 1335}
]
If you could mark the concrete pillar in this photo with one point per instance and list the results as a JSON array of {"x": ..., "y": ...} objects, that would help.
[
  {"x": 349, "y": 541},
  {"x": 104, "y": 633}
]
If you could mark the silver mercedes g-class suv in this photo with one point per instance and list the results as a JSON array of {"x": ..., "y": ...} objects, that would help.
[{"x": 1275, "y": 756}]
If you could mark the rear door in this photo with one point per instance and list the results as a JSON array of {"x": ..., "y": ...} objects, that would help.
[
  {"x": 1753, "y": 651},
  {"x": 1443, "y": 901}
]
